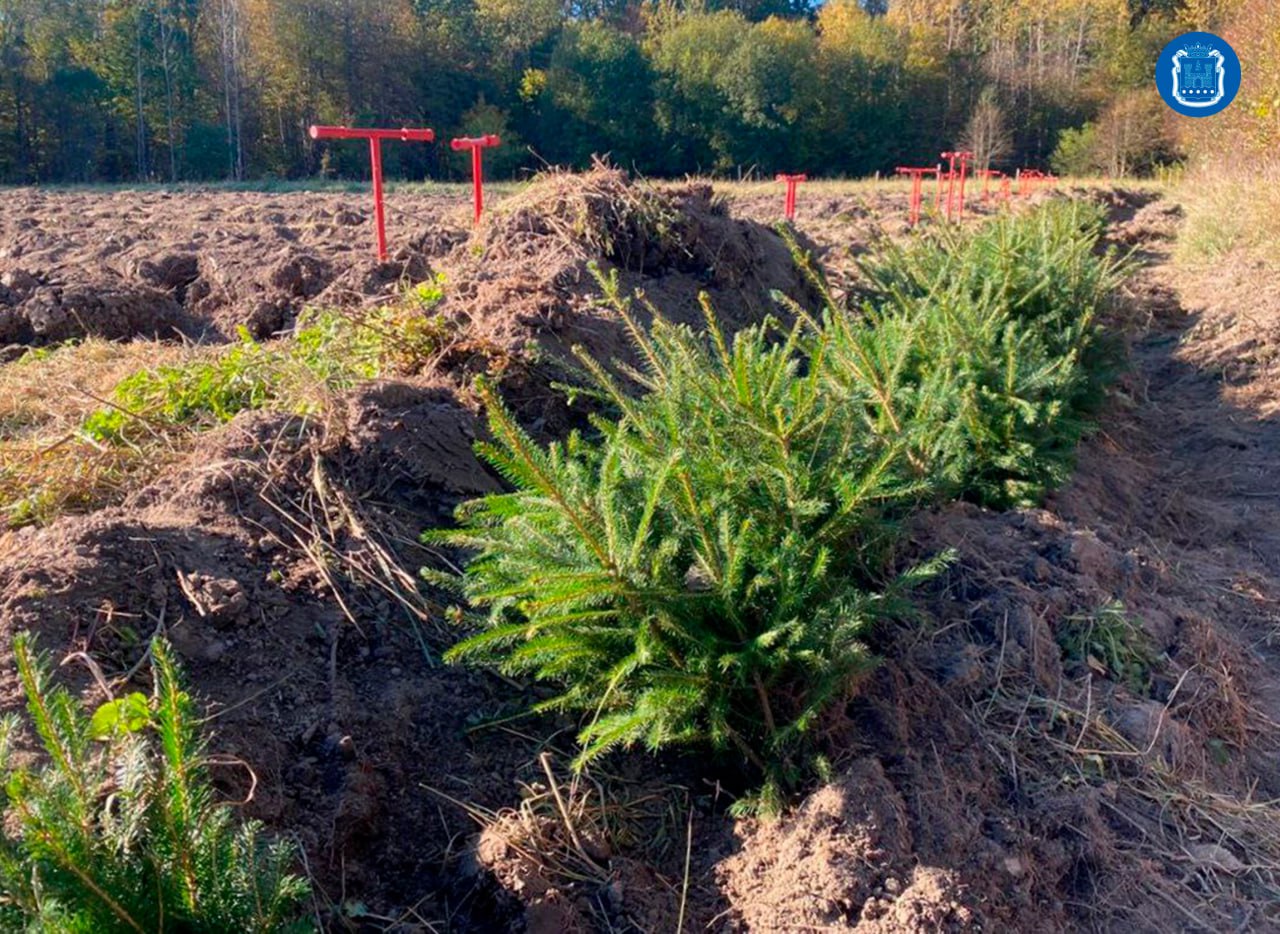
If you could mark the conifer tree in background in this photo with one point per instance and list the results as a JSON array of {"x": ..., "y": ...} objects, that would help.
[{"x": 998, "y": 344}]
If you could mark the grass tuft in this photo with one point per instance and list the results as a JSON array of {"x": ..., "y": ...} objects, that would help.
[
  {"x": 82, "y": 423},
  {"x": 1110, "y": 643}
]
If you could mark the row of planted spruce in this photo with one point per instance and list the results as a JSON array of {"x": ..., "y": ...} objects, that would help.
[{"x": 700, "y": 568}]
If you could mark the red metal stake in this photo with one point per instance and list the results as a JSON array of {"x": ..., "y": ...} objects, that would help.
[
  {"x": 789, "y": 205},
  {"x": 917, "y": 188},
  {"x": 375, "y": 138},
  {"x": 987, "y": 175},
  {"x": 477, "y": 145},
  {"x": 379, "y": 212},
  {"x": 952, "y": 158},
  {"x": 951, "y": 183},
  {"x": 913, "y": 213}
]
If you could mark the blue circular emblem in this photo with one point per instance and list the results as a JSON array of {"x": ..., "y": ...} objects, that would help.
[{"x": 1198, "y": 74}]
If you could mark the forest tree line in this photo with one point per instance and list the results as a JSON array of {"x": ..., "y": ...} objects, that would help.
[{"x": 171, "y": 90}]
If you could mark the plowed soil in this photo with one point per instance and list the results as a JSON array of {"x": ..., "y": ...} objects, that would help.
[
  {"x": 199, "y": 263},
  {"x": 983, "y": 778}
]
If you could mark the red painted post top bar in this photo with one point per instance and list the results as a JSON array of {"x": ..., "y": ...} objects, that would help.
[
  {"x": 375, "y": 138},
  {"x": 404, "y": 134},
  {"x": 471, "y": 142}
]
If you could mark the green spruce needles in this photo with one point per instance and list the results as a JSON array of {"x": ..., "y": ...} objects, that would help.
[
  {"x": 704, "y": 568},
  {"x": 119, "y": 831}
]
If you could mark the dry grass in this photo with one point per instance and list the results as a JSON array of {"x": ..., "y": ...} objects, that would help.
[
  {"x": 1229, "y": 211},
  {"x": 50, "y": 390},
  {"x": 829, "y": 187},
  {"x": 47, "y": 464},
  {"x": 564, "y": 217},
  {"x": 350, "y": 545},
  {"x": 74, "y": 436},
  {"x": 838, "y": 187},
  {"x": 1198, "y": 851},
  {"x": 575, "y": 834}
]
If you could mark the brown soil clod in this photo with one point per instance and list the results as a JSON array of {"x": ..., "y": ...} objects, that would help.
[{"x": 106, "y": 307}]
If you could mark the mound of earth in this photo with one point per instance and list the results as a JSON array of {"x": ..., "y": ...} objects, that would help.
[
  {"x": 1158, "y": 220},
  {"x": 280, "y": 556},
  {"x": 997, "y": 780},
  {"x": 848, "y": 850},
  {"x": 524, "y": 288},
  {"x": 268, "y": 575}
]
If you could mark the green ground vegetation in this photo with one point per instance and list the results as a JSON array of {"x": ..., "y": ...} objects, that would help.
[
  {"x": 1110, "y": 643},
  {"x": 63, "y": 451}
]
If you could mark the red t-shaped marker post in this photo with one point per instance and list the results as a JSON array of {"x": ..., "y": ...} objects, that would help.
[
  {"x": 952, "y": 158},
  {"x": 375, "y": 138},
  {"x": 789, "y": 206},
  {"x": 917, "y": 187},
  {"x": 951, "y": 182},
  {"x": 477, "y": 145}
]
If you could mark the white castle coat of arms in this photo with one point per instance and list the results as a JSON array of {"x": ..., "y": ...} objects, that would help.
[{"x": 1198, "y": 75}]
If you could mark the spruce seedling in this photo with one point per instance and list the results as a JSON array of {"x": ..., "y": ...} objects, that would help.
[{"x": 119, "y": 831}]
